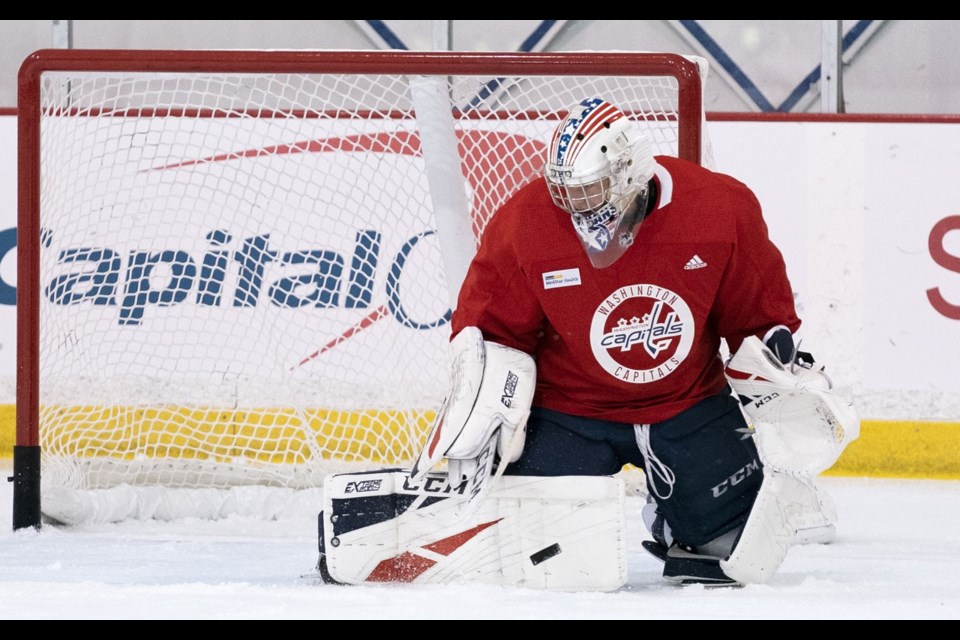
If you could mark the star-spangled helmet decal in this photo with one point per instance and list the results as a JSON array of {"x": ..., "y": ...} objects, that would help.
[{"x": 571, "y": 126}]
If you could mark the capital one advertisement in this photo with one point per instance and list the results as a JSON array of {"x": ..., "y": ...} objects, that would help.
[
  {"x": 867, "y": 216},
  {"x": 8, "y": 257}
]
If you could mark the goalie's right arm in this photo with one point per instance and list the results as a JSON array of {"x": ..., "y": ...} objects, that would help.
[{"x": 491, "y": 391}]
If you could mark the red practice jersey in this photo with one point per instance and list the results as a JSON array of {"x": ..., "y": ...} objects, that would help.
[{"x": 639, "y": 341}]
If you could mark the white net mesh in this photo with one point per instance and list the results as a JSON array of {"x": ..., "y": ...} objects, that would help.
[{"x": 242, "y": 279}]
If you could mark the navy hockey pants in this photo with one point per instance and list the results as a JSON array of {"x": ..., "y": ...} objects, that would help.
[{"x": 701, "y": 466}]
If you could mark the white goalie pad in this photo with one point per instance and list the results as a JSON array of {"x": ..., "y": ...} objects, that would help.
[
  {"x": 491, "y": 391},
  {"x": 802, "y": 423},
  {"x": 779, "y": 512},
  {"x": 817, "y": 522},
  {"x": 562, "y": 533}
]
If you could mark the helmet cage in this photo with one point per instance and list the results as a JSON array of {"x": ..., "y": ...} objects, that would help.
[
  {"x": 581, "y": 198},
  {"x": 598, "y": 167}
]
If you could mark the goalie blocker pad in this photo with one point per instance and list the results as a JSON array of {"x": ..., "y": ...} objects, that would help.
[
  {"x": 556, "y": 533},
  {"x": 491, "y": 391}
]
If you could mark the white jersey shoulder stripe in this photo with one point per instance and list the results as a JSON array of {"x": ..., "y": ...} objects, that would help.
[{"x": 665, "y": 182}]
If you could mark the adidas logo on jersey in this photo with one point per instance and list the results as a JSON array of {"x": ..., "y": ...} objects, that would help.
[{"x": 695, "y": 263}]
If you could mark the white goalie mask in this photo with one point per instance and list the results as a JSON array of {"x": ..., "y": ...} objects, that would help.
[{"x": 599, "y": 164}]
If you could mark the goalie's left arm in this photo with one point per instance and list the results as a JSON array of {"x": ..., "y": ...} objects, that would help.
[{"x": 802, "y": 422}]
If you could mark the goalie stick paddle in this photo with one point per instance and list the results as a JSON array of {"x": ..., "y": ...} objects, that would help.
[
  {"x": 431, "y": 454},
  {"x": 488, "y": 469},
  {"x": 485, "y": 475}
]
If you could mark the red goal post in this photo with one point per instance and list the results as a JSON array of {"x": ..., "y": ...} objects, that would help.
[{"x": 236, "y": 268}]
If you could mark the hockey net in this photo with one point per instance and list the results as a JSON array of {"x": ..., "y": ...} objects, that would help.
[{"x": 238, "y": 267}]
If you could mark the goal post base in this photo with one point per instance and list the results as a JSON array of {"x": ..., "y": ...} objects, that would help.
[{"x": 26, "y": 487}]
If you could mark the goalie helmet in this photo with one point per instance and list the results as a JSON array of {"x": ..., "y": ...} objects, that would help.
[{"x": 599, "y": 164}]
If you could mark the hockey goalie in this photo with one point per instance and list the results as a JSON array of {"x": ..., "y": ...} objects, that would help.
[{"x": 587, "y": 336}]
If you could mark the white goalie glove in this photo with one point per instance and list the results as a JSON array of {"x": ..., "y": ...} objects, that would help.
[
  {"x": 802, "y": 422},
  {"x": 485, "y": 411}
]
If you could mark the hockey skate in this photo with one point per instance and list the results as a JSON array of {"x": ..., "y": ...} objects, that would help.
[
  {"x": 681, "y": 564},
  {"x": 684, "y": 567}
]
